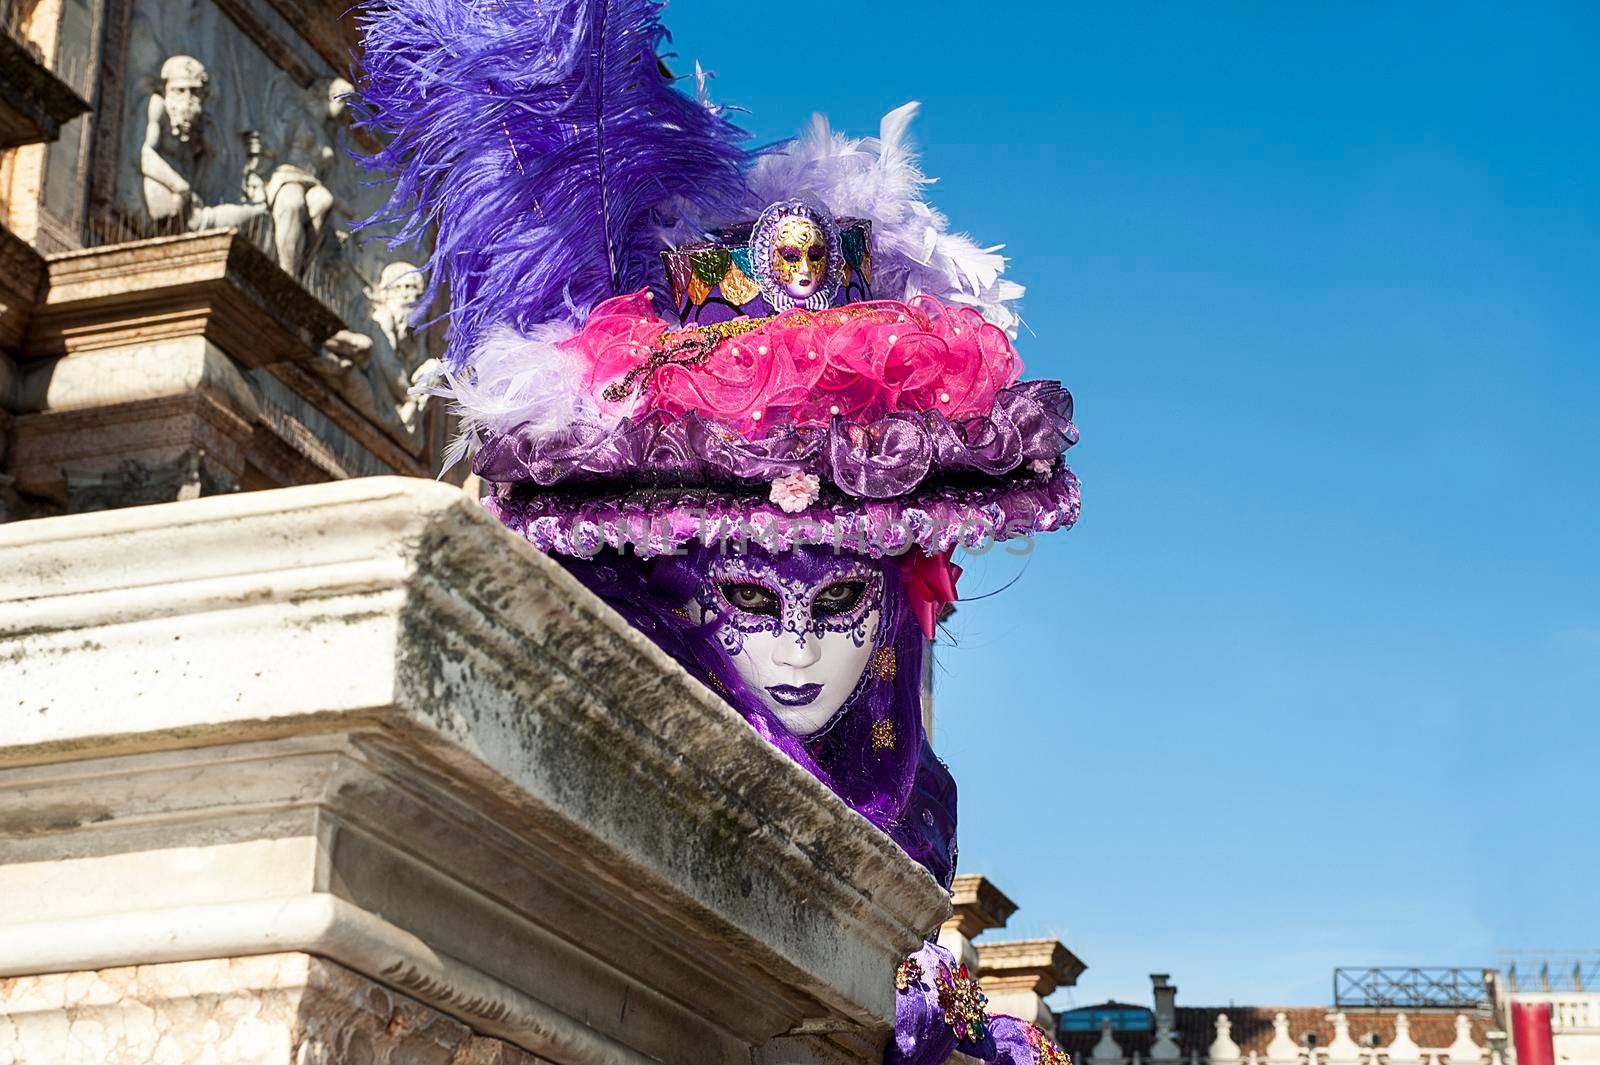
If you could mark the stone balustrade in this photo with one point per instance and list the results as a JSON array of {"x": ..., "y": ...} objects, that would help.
[
  {"x": 1576, "y": 1011},
  {"x": 1471, "y": 1045}
]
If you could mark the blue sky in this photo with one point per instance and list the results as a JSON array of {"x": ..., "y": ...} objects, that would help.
[{"x": 1316, "y": 681}]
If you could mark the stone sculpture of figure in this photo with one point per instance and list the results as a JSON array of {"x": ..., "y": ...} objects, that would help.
[
  {"x": 401, "y": 356},
  {"x": 175, "y": 155},
  {"x": 297, "y": 192},
  {"x": 400, "y": 289},
  {"x": 374, "y": 373}
]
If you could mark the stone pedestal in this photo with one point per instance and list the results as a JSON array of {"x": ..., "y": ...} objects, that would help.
[
  {"x": 350, "y": 762},
  {"x": 1018, "y": 976},
  {"x": 214, "y": 284},
  {"x": 292, "y": 1008},
  {"x": 977, "y": 905}
]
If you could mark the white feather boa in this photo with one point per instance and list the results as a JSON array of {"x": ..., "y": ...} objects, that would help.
[
  {"x": 879, "y": 178},
  {"x": 511, "y": 379}
]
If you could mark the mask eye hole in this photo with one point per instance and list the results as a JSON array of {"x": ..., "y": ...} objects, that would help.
[
  {"x": 840, "y": 597},
  {"x": 749, "y": 598},
  {"x": 817, "y": 253},
  {"x": 789, "y": 254}
]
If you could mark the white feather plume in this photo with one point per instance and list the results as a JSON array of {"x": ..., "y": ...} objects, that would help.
[
  {"x": 879, "y": 178},
  {"x": 513, "y": 379}
]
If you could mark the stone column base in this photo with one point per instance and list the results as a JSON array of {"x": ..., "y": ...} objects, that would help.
[{"x": 273, "y": 1009}]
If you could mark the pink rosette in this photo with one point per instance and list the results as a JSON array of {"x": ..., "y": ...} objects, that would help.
[
  {"x": 848, "y": 386},
  {"x": 976, "y": 362}
]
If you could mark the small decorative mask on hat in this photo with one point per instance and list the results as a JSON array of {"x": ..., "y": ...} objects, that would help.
[
  {"x": 795, "y": 252},
  {"x": 801, "y": 258},
  {"x": 799, "y": 630}
]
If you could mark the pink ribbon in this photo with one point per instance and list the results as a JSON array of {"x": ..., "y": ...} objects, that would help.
[{"x": 930, "y": 585}]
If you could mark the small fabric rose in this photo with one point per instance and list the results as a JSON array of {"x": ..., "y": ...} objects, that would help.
[{"x": 796, "y": 491}]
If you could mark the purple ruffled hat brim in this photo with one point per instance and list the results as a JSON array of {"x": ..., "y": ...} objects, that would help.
[
  {"x": 890, "y": 458},
  {"x": 663, "y": 521}
]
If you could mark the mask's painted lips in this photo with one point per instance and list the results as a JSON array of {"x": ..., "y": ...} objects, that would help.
[{"x": 789, "y": 695}]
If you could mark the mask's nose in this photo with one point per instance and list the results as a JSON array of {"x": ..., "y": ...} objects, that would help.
[{"x": 798, "y": 654}]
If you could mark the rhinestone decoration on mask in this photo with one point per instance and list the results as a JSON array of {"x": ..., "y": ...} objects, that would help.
[{"x": 796, "y": 596}]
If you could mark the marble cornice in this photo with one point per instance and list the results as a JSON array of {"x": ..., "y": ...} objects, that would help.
[{"x": 34, "y": 103}]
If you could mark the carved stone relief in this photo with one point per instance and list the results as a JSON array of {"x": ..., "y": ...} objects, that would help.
[
  {"x": 376, "y": 370},
  {"x": 218, "y": 133},
  {"x": 176, "y": 153}
]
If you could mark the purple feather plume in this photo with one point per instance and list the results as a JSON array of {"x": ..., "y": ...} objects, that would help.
[{"x": 545, "y": 147}]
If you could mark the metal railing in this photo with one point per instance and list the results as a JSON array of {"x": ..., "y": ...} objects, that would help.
[
  {"x": 1580, "y": 974},
  {"x": 1438, "y": 987}
]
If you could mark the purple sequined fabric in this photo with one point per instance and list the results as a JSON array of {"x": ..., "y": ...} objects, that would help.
[
  {"x": 1030, "y": 422},
  {"x": 662, "y": 522}
]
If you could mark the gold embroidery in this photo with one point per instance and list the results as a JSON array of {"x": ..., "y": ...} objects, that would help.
[
  {"x": 883, "y": 665},
  {"x": 883, "y": 736}
]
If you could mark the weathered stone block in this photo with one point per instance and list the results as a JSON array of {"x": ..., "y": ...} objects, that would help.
[
  {"x": 362, "y": 721},
  {"x": 21, "y": 273},
  {"x": 272, "y": 1009}
]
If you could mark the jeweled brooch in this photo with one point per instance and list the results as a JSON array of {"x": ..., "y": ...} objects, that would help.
[
  {"x": 883, "y": 736},
  {"x": 1045, "y": 1052},
  {"x": 963, "y": 1002},
  {"x": 908, "y": 975}
]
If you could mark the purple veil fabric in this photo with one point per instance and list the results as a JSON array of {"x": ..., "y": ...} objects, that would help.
[
  {"x": 903, "y": 789},
  {"x": 927, "y": 829}
]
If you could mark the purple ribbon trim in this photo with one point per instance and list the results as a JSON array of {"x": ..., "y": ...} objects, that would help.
[
  {"x": 663, "y": 521},
  {"x": 1030, "y": 421}
]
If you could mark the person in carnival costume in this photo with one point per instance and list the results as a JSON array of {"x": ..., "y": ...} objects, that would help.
[{"x": 752, "y": 400}]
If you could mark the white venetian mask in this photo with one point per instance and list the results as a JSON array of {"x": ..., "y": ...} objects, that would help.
[{"x": 802, "y": 643}]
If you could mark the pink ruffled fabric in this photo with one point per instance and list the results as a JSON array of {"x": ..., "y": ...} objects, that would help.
[
  {"x": 920, "y": 355},
  {"x": 617, "y": 337}
]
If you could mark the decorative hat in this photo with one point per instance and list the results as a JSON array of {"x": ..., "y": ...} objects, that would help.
[{"x": 656, "y": 338}]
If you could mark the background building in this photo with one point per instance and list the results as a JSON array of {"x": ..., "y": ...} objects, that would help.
[
  {"x": 185, "y": 309},
  {"x": 1377, "y": 1016},
  {"x": 1571, "y": 988}
]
